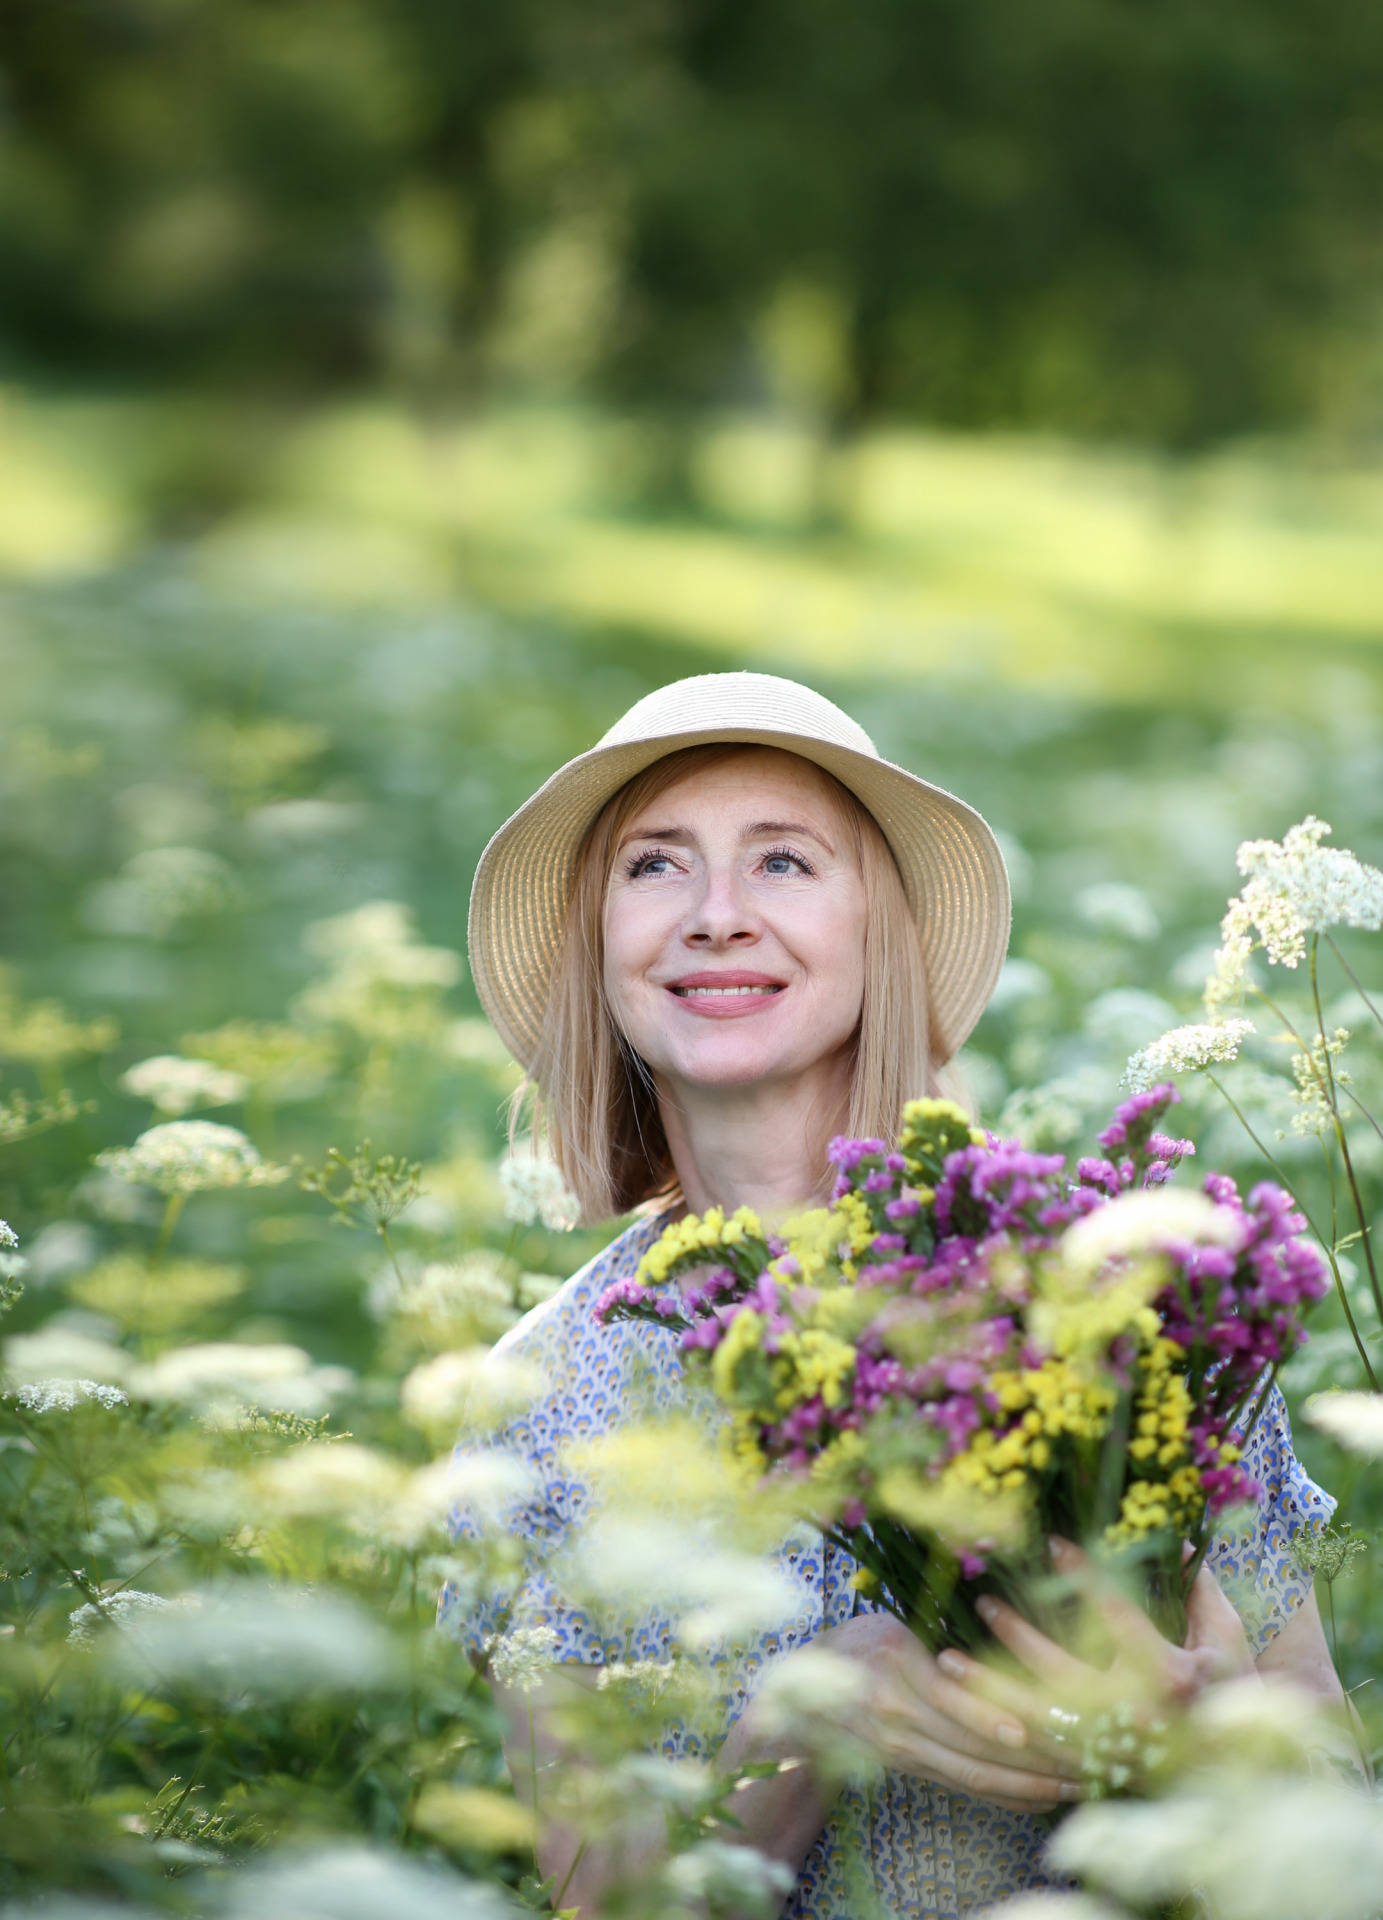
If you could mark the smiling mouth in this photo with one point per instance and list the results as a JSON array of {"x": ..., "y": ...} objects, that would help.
[{"x": 721, "y": 993}]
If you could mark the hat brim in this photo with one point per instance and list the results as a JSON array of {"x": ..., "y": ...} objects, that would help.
[{"x": 952, "y": 870}]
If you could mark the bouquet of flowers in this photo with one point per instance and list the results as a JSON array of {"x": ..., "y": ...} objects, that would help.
[{"x": 973, "y": 1348}]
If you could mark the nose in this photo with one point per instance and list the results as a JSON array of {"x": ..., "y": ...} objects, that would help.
[{"x": 724, "y": 916}]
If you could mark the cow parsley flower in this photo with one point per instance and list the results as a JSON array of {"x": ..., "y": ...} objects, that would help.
[
  {"x": 188, "y": 1156},
  {"x": 61, "y": 1396},
  {"x": 175, "y": 1085},
  {"x": 115, "y": 1610},
  {"x": 521, "y": 1658},
  {"x": 1185, "y": 1050},
  {"x": 1294, "y": 888},
  {"x": 1314, "y": 1073},
  {"x": 534, "y": 1192},
  {"x": 722, "y": 1871},
  {"x": 1354, "y": 1419}
]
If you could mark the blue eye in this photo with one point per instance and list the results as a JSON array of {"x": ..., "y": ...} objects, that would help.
[
  {"x": 643, "y": 864},
  {"x": 781, "y": 863}
]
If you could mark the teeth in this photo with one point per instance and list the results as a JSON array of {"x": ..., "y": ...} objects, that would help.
[{"x": 720, "y": 993}]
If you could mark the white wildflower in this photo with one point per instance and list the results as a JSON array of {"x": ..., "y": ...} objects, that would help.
[
  {"x": 188, "y": 1156},
  {"x": 1148, "y": 1221},
  {"x": 723, "y": 1873},
  {"x": 471, "y": 1296},
  {"x": 646, "y": 1680},
  {"x": 534, "y": 1192},
  {"x": 175, "y": 1085},
  {"x": 473, "y": 1384},
  {"x": 61, "y": 1396},
  {"x": 115, "y": 1610},
  {"x": 1048, "y": 1118},
  {"x": 522, "y": 1657},
  {"x": 1355, "y": 1420},
  {"x": 256, "y": 1640},
  {"x": 222, "y": 1377},
  {"x": 1295, "y": 888},
  {"x": 811, "y": 1688},
  {"x": 330, "y": 1479},
  {"x": 1315, "y": 1073},
  {"x": 158, "y": 888},
  {"x": 349, "y": 1881},
  {"x": 1269, "y": 1851},
  {"x": 8, "y": 1236},
  {"x": 1113, "y": 907},
  {"x": 381, "y": 980},
  {"x": 57, "y": 1352},
  {"x": 636, "y": 1561},
  {"x": 486, "y": 1484},
  {"x": 1186, "y": 1050}
]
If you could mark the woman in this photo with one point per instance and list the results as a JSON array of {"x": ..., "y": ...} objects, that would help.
[{"x": 726, "y": 934}]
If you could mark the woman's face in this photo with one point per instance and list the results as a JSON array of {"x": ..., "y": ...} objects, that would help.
[{"x": 734, "y": 925}]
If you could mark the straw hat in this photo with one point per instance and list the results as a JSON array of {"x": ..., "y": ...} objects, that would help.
[{"x": 953, "y": 871}]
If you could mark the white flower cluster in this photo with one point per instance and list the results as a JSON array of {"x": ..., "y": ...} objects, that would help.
[
  {"x": 1186, "y": 1050},
  {"x": 381, "y": 980},
  {"x": 61, "y": 1396},
  {"x": 175, "y": 1085},
  {"x": 1354, "y": 1419},
  {"x": 1315, "y": 1073},
  {"x": 220, "y": 1377},
  {"x": 473, "y": 1385},
  {"x": 1147, "y": 1221},
  {"x": 521, "y": 1658},
  {"x": 534, "y": 1191},
  {"x": 1293, "y": 888},
  {"x": 188, "y": 1156},
  {"x": 471, "y": 1297},
  {"x": 115, "y": 1610},
  {"x": 8, "y": 1236},
  {"x": 645, "y": 1680},
  {"x": 724, "y": 1873}
]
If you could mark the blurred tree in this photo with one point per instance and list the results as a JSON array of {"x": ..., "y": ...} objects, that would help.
[{"x": 1138, "y": 216}]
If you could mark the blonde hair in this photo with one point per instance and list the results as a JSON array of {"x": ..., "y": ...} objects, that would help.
[{"x": 592, "y": 1096}]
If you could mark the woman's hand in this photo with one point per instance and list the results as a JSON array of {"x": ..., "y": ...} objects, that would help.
[
  {"x": 1147, "y": 1671},
  {"x": 920, "y": 1721}
]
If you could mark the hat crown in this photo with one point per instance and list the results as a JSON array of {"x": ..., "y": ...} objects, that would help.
[{"x": 759, "y": 702}]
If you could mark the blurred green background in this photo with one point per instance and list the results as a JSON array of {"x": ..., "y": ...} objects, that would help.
[{"x": 392, "y": 393}]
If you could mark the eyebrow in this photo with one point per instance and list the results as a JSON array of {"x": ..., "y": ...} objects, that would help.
[{"x": 756, "y": 830}]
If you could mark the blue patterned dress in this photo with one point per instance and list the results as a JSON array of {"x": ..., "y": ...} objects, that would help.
[{"x": 925, "y": 1849}]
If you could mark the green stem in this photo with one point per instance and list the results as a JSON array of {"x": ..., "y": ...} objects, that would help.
[
  {"x": 174, "y": 1206},
  {"x": 1350, "y": 971},
  {"x": 532, "y": 1762},
  {"x": 1343, "y": 1142},
  {"x": 383, "y": 1233},
  {"x": 1327, "y": 1246},
  {"x": 1334, "y": 1642},
  {"x": 1281, "y": 1174},
  {"x": 576, "y": 1860}
]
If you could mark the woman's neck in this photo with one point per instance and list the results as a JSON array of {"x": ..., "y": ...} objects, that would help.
[{"x": 761, "y": 1146}]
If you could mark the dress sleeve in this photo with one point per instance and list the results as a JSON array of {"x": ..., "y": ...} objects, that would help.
[
  {"x": 1252, "y": 1556},
  {"x": 523, "y": 1549}
]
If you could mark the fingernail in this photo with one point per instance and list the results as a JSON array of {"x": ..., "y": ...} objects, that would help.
[
  {"x": 952, "y": 1663},
  {"x": 986, "y": 1606},
  {"x": 1071, "y": 1790},
  {"x": 1011, "y": 1734}
]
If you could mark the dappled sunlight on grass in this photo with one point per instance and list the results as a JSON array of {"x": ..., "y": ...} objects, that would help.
[{"x": 1104, "y": 572}]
